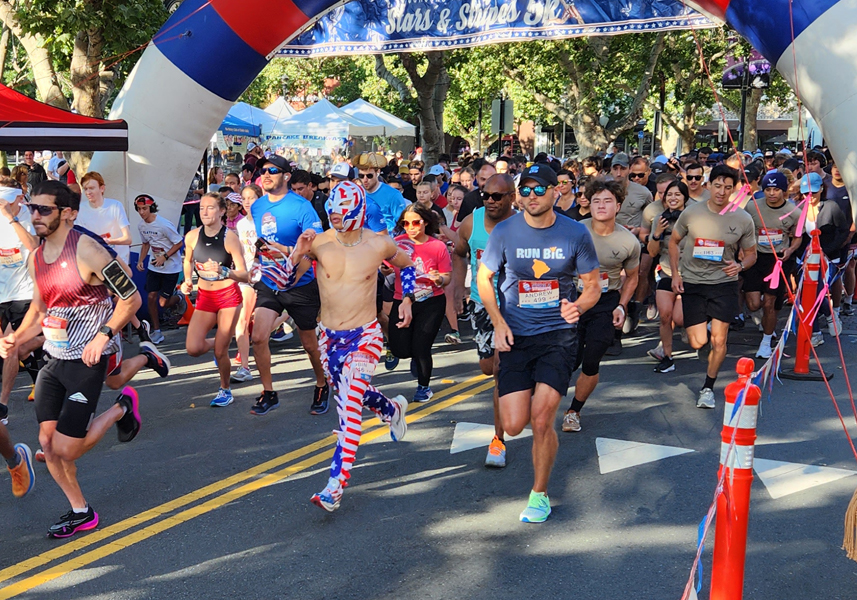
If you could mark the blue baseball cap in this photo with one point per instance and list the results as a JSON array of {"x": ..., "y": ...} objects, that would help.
[
  {"x": 775, "y": 179},
  {"x": 810, "y": 183}
]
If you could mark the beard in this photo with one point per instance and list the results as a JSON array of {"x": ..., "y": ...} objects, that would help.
[{"x": 50, "y": 227}]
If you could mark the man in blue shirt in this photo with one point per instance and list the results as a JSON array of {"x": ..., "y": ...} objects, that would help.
[
  {"x": 536, "y": 255},
  {"x": 390, "y": 201},
  {"x": 281, "y": 217}
]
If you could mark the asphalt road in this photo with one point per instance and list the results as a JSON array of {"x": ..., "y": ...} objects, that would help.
[{"x": 214, "y": 503}]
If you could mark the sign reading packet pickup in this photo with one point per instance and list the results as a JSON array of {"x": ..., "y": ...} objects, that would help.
[{"x": 385, "y": 26}]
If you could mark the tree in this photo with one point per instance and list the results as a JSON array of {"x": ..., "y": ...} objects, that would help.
[{"x": 580, "y": 80}]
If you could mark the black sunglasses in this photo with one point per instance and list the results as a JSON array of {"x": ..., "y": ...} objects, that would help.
[
  {"x": 42, "y": 209},
  {"x": 270, "y": 170},
  {"x": 367, "y": 175},
  {"x": 694, "y": 177},
  {"x": 496, "y": 196},
  {"x": 636, "y": 175}
]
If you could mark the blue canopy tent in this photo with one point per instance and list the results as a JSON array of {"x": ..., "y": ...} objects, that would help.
[{"x": 232, "y": 125}]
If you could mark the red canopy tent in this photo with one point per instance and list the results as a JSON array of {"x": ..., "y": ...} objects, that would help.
[{"x": 29, "y": 124}]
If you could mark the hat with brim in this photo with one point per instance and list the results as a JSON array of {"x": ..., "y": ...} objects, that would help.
[
  {"x": 810, "y": 182},
  {"x": 541, "y": 173},
  {"x": 370, "y": 160}
]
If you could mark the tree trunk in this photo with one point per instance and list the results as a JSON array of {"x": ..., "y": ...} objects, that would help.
[
  {"x": 4, "y": 49},
  {"x": 40, "y": 59},
  {"x": 431, "y": 88},
  {"x": 751, "y": 135},
  {"x": 591, "y": 136},
  {"x": 85, "y": 68}
]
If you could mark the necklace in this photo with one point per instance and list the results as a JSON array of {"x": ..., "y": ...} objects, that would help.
[{"x": 359, "y": 239}]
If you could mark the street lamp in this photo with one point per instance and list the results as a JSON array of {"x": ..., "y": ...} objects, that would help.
[{"x": 284, "y": 82}]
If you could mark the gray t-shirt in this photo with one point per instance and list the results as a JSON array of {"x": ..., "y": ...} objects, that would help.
[
  {"x": 636, "y": 199},
  {"x": 712, "y": 240}
]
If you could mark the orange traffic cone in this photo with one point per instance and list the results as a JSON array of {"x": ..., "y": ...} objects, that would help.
[{"x": 188, "y": 313}]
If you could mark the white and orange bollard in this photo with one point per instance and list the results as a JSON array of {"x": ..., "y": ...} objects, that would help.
[{"x": 733, "y": 504}]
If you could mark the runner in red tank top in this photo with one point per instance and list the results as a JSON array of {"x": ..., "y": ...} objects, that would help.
[{"x": 72, "y": 306}]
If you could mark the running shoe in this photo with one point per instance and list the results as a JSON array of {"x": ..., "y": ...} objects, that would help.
[
  {"x": 398, "y": 425},
  {"x": 764, "y": 350},
  {"x": 423, "y": 393},
  {"x": 330, "y": 496},
  {"x": 241, "y": 375},
  {"x": 155, "y": 360},
  {"x": 39, "y": 455},
  {"x": 538, "y": 508},
  {"x": 129, "y": 425},
  {"x": 834, "y": 325},
  {"x": 652, "y": 312},
  {"x": 23, "y": 476},
  {"x": 665, "y": 366},
  {"x": 496, "y": 457},
  {"x": 571, "y": 421},
  {"x": 144, "y": 332},
  {"x": 157, "y": 337},
  {"x": 265, "y": 403},
  {"x": 817, "y": 339},
  {"x": 706, "y": 398},
  {"x": 657, "y": 352},
  {"x": 632, "y": 321},
  {"x": 320, "y": 400},
  {"x": 702, "y": 353},
  {"x": 237, "y": 360},
  {"x": 32, "y": 395},
  {"x": 737, "y": 323},
  {"x": 181, "y": 308},
  {"x": 72, "y": 522},
  {"x": 4, "y": 414},
  {"x": 390, "y": 361},
  {"x": 223, "y": 398},
  {"x": 846, "y": 309},
  {"x": 281, "y": 335},
  {"x": 452, "y": 338}
]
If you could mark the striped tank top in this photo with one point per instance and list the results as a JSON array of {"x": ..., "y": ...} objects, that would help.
[{"x": 76, "y": 310}]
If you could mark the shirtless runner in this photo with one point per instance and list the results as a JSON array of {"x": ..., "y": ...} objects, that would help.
[{"x": 350, "y": 337}]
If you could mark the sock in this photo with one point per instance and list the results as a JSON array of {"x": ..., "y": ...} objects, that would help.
[
  {"x": 709, "y": 382},
  {"x": 576, "y": 405},
  {"x": 766, "y": 339},
  {"x": 836, "y": 310},
  {"x": 80, "y": 511},
  {"x": 14, "y": 461}
]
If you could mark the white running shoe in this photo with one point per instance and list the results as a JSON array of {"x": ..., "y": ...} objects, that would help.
[
  {"x": 834, "y": 325},
  {"x": 156, "y": 336},
  {"x": 817, "y": 339},
  {"x": 706, "y": 398},
  {"x": 241, "y": 375},
  {"x": 657, "y": 352},
  {"x": 764, "y": 350},
  {"x": 398, "y": 425}
]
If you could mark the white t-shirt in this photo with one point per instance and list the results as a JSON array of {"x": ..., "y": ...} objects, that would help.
[
  {"x": 247, "y": 234},
  {"x": 161, "y": 235},
  {"x": 53, "y": 165},
  {"x": 15, "y": 282},
  {"x": 106, "y": 221}
]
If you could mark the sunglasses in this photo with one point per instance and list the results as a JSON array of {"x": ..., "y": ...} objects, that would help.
[
  {"x": 496, "y": 196},
  {"x": 41, "y": 209},
  {"x": 414, "y": 223},
  {"x": 271, "y": 170},
  {"x": 540, "y": 190},
  {"x": 367, "y": 175},
  {"x": 324, "y": 189},
  {"x": 564, "y": 182},
  {"x": 694, "y": 177},
  {"x": 636, "y": 175}
]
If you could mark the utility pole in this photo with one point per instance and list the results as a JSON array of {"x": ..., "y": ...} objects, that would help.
[
  {"x": 479, "y": 129},
  {"x": 745, "y": 88}
]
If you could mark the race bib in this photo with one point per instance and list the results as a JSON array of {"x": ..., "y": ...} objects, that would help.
[
  {"x": 770, "y": 237},
  {"x": 708, "y": 250},
  {"x": 207, "y": 275},
  {"x": 363, "y": 365},
  {"x": 538, "y": 294},
  {"x": 11, "y": 258},
  {"x": 605, "y": 283},
  {"x": 269, "y": 225},
  {"x": 55, "y": 330},
  {"x": 422, "y": 293}
]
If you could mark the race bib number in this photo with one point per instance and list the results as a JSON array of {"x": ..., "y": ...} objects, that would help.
[
  {"x": 605, "y": 283},
  {"x": 422, "y": 293},
  {"x": 538, "y": 294},
  {"x": 363, "y": 365},
  {"x": 55, "y": 330},
  {"x": 206, "y": 274},
  {"x": 11, "y": 258},
  {"x": 269, "y": 225},
  {"x": 770, "y": 237},
  {"x": 708, "y": 250}
]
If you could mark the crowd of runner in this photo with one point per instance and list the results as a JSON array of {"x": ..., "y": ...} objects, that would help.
[{"x": 552, "y": 262}]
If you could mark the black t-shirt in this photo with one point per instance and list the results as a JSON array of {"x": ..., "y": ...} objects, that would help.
[
  {"x": 410, "y": 193},
  {"x": 573, "y": 213},
  {"x": 36, "y": 174},
  {"x": 841, "y": 197},
  {"x": 472, "y": 201},
  {"x": 318, "y": 201},
  {"x": 652, "y": 186}
]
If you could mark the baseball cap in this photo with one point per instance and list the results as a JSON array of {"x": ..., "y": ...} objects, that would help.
[
  {"x": 769, "y": 154},
  {"x": 775, "y": 179},
  {"x": 436, "y": 170},
  {"x": 658, "y": 168},
  {"x": 277, "y": 161},
  {"x": 792, "y": 164},
  {"x": 540, "y": 172},
  {"x": 620, "y": 159},
  {"x": 404, "y": 170},
  {"x": 810, "y": 183},
  {"x": 341, "y": 170},
  {"x": 234, "y": 197},
  {"x": 251, "y": 146}
]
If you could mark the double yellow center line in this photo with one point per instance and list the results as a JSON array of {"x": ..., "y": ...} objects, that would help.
[{"x": 261, "y": 476}]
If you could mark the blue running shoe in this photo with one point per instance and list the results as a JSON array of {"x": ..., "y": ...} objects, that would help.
[
  {"x": 281, "y": 335},
  {"x": 538, "y": 508},
  {"x": 390, "y": 361},
  {"x": 223, "y": 398},
  {"x": 320, "y": 400},
  {"x": 423, "y": 394}
]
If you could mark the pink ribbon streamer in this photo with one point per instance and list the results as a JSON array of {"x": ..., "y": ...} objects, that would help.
[
  {"x": 802, "y": 219},
  {"x": 735, "y": 204},
  {"x": 774, "y": 278}
]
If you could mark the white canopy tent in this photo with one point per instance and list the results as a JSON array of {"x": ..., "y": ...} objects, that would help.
[
  {"x": 393, "y": 125},
  {"x": 323, "y": 119},
  {"x": 280, "y": 109}
]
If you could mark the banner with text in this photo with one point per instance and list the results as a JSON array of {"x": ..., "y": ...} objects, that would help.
[{"x": 384, "y": 26}]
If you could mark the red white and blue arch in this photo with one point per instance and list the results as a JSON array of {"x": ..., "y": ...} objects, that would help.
[{"x": 208, "y": 52}]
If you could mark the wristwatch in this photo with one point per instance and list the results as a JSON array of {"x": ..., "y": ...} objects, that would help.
[
  {"x": 411, "y": 297},
  {"x": 14, "y": 220},
  {"x": 106, "y": 331}
]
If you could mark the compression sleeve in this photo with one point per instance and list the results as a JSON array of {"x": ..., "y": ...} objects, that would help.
[{"x": 408, "y": 279}]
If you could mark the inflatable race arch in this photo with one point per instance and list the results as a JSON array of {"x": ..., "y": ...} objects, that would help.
[{"x": 209, "y": 52}]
